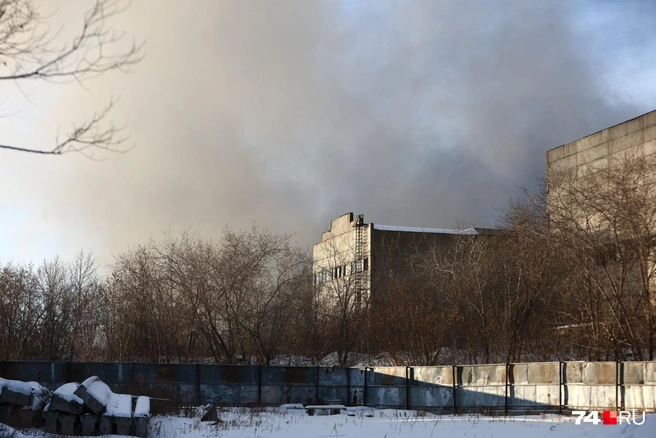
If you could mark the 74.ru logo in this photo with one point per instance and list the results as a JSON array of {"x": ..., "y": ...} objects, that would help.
[{"x": 609, "y": 417}]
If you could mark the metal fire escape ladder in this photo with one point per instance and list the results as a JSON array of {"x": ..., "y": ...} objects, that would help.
[{"x": 360, "y": 255}]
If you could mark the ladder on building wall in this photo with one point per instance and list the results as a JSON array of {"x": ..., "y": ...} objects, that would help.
[{"x": 359, "y": 274}]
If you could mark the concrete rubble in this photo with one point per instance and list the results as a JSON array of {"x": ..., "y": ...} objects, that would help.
[
  {"x": 21, "y": 403},
  {"x": 89, "y": 408}
]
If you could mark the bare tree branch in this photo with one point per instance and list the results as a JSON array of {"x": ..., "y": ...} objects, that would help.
[{"x": 29, "y": 50}]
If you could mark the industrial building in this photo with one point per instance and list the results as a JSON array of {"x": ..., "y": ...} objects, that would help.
[
  {"x": 356, "y": 259},
  {"x": 602, "y": 188},
  {"x": 579, "y": 166},
  {"x": 595, "y": 152}
]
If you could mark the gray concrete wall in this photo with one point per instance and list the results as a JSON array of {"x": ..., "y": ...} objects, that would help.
[
  {"x": 545, "y": 386},
  {"x": 636, "y": 136}
]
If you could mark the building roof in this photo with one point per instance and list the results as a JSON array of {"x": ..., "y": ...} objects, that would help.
[{"x": 468, "y": 231}]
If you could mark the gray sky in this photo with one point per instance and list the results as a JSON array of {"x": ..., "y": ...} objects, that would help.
[{"x": 285, "y": 114}]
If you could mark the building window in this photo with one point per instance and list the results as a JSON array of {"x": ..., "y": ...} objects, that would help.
[
  {"x": 326, "y": 275},
  {"x": 323, "y": 276},
  {"x": 360, "y": 265}
]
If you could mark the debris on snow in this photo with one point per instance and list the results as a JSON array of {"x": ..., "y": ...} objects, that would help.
[
  {"x": 206, "y": 413},
  {"x": 292, "y": 407}
]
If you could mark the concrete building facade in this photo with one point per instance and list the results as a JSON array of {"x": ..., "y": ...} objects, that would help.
[
  {"x": 595, "y": 152},
  {"x": 583, "y": 166},
  {"x": 585, "y": 192},
  {"x": 359, "y": 259}
]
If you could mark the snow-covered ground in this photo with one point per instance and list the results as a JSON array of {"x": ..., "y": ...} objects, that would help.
[
  {"x": 244, "y": 423},
  {"x": 389, "y": 423}
]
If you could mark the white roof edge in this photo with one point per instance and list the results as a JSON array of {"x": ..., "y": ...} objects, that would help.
[{"x": 470, "y": 231}]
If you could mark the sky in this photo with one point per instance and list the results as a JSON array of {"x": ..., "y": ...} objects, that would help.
[{"x": 286, "y": 114}]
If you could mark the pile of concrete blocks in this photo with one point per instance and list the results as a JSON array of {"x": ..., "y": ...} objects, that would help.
[
  {"x": 90, "y": 408},
  {"x": 21, "y": 403}
]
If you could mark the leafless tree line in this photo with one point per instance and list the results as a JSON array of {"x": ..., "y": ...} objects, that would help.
[
  {"x": 52, "y": 311},
  {"x": 569, "y": 274},
  {"x": 180, "y": 298}
]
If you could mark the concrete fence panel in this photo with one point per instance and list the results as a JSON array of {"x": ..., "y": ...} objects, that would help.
[
  {"x": 432, "y": 387},
  {"x": 534, "y": 386},
  {"x": 537, "y": 387},
  {"x": 481, "y": 386}
]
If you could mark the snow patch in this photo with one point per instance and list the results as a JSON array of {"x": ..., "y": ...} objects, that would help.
[
  {"x": 240, "y": 422},
  {"x": 10, "y": 432},
  {"x": 142, "y": 409},
  {"x": 67, "y": 392},
  {"x": 98, "y": 389},
  {"x": 468, "y": 231},
  {"x": 40, "y": 395},
  {"x": 119, "y": 405},
  {"x": 16, "y": 386}
]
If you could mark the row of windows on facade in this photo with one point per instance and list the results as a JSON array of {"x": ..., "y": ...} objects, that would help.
[{"x": 326, "y": 275}]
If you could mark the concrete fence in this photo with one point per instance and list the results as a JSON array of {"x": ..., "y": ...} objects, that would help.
[{"x": 521, "y": 387}]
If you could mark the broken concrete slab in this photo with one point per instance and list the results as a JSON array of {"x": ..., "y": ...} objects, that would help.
[
  {"x": 141, "y": 426},
  {"x": 26, "y": 418},
  {"x": 105, "y": 425},
  {"x": 51, "y": 419},
  {"x": 7, "y": 412},
  {"x": 89, "y": 425},
  {"x": 95, "y": 394},
  {"x": 123, "y": 425},
  {"x": 67, "y": 423},
  {"x": 65, "y": 400},
  {"x": 15, "y": 392},
  {"x": 119, "y": 405},
  {"x": 142, "y": 407}
]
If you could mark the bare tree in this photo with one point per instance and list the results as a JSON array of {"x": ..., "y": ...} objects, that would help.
[
  {"x": 414, "y": 324},
  {"x": 531, "y": 274},
  {"x": 603, "y": 218},
  {"x": 53, "y": 312},
  {"x": 57, "y": 301},
  {"x": 148, "y": 324},
  {"x": 30, "y": 51},
  {"x": 20, "y": 313},
  {"x": 183, "y": 297},
  {"x": 245, "y": 308},
  {"x": 86, "y": 341}
]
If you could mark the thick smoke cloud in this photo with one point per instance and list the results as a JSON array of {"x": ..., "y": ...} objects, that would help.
[{"x": 286, "y": 114}]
